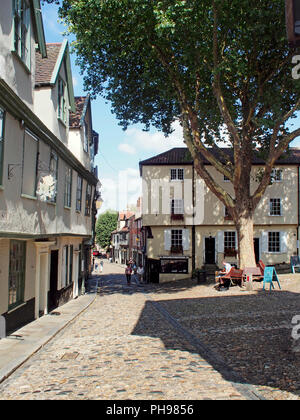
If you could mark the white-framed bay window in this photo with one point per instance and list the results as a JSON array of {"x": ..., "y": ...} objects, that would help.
[
  {"x": 21, "y": 24},
  {"x": 274, "y": 242}
]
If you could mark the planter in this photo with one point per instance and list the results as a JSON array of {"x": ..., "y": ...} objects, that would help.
[
  {"x": 177, "y": 217},
  {"x": 230, "y": 252},
  {"x": 176, "y": 250}
]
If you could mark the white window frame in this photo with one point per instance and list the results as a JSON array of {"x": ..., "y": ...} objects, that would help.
[
  {"x": 270, "y": 207},
  {"x": 61, "y": 100},
  {"x": 177, "y": 206},
  {"x": 279, "y": 237},
  {"x": 274, "y": 175},
  {"x": 177, "y": 174},
  {"x": 22, "y": 31},
  {"x": 68, "y": 187}
]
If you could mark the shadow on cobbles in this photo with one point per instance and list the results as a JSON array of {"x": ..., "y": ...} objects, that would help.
[
  {"x": 247, "y": 338},
  {"x": 116, "y": 283}
]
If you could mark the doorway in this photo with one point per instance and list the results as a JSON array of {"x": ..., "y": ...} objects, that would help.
[
  {"x": 52, "y": 300},
  {"x": 210, "y": 250},
  {"x": 256, "y": 249},
  {"x": 153, "y": 270}
]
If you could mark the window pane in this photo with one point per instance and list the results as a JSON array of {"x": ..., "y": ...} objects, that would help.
[
  {"x": 68, "y": 187},
  {"x": 79, "y": 193},
  {"x": 1, "y": 142},
  {"x": 174, "y": 266},
  {"x": 274, "y": 241},
  {"x": 16, "y": 281},
  {"x": 29, "y": 165},
  {"x": 275, "y": 207}
]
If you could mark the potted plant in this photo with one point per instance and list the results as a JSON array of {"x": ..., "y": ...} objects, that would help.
[{"x": 176, "y": 249}]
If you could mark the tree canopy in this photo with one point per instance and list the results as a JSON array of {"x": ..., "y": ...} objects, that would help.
[
  {"x": 106, "y": 224},
  {"x": 222, "y": 67}
]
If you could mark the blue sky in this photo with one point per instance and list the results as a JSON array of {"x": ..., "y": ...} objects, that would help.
[{"x": 119, "y": 151}]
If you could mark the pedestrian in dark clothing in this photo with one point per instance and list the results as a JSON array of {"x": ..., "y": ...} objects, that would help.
[{"x": 128, "y": 271}]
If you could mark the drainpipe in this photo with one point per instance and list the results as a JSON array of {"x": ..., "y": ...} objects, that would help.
[
  {"x": 193, "y": 226},
  {"x": 298, "y": 207}
]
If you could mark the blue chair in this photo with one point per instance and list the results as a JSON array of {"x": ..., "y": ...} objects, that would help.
[
  {"x": 270, "y": 275},
  {"x": 295, "y": 263}
]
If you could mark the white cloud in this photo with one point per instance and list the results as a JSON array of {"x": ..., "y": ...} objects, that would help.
[
  {"x": 127, "y": 148},
  {"x": 122, "y": 191},
  {"x": 154, "y": 142}
]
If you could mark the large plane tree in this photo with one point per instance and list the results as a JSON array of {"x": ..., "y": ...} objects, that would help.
[{"x": 222, "y": 67}]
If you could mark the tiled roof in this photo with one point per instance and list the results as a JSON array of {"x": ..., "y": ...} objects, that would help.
[
  {"x": 45, "y": 66},
  {"x": 182, "y": 156},
  {"x": 75, "y": 117},
  {"x": 125, "y": 215}
]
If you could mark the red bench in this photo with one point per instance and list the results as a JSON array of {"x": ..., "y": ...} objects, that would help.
[
  {"x": 255, "y": 272},
  {"x": 235, "y": 276}
]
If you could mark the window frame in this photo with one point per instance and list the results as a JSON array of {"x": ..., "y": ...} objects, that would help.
[
  {"x": 22, "y": 31},
  {"x": 53, "y": 172},
  {"x": 168, "y": 262},
  {"x": 177, "y": 172},
  {"x": 176, "y": 238},
  {"x": 2, "y": 131},
  {"x": 20, "y": 282},
  {"x": 88, "y": 200},
  {"x": 37, "y": 140},
  {"x": 274, "y": 175},
  {"x": 271, "y": 242},
  {"x": 273, "y": 209},
  {"x": 68, "y": 186},
  {"x": 231, "y": 242},
  {"x": 85, "y": 137},
  {"x": 61, "y": 100},
  {"x": 79, "y": 194},
  {"x": 177, "y": 206}
]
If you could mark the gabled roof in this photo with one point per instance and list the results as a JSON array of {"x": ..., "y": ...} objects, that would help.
[
  {"x": 123, "y": 215},
  {"x": 47, "y": 69},
  {"x": 77, "y": 117},
  {"x": 182, "y": 156},
  {"x": 39, "y": 28}
]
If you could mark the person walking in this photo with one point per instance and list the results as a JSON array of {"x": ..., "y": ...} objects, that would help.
[
  {"x": 140, "y": 273},
  {"x": 135, "y": 276},
  {"x": 128, "y": 271},
  {"x": 101, "y": 266}
]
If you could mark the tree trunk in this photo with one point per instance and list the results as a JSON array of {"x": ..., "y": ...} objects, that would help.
[{"x": 244, "y": 226}]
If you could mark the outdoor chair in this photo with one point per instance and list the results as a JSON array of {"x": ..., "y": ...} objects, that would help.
[{"x": 295, "y": 263}]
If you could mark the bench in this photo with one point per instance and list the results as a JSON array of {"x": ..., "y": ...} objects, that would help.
[
  {"x": 255, "y": 272},
  {"x": 295, "y": 263},
  {"x": 235, "y": 276}
]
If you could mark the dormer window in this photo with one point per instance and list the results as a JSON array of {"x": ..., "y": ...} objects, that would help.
[
  {"x": 22, "y": 30},
  {"x": 85, "y": 136},
  {"x": 61, "y": 101},
  {"x": 276, "y": 175}
]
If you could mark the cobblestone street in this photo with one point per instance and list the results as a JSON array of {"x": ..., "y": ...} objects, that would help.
[{"x": 164, "y": 342}]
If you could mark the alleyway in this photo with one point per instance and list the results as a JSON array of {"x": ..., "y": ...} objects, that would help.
[{"x": 127, "y": 345}]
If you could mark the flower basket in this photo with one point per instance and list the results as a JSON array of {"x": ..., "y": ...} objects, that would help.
[
  {"x": 177, "y": 217},
  {"x": 230, "y": 252},
  {"x": 177, "y": 249}
]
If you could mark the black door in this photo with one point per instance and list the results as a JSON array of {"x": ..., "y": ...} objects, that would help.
[
  {"x": 52, "y": 299},
  {"x": 210, "y": 251},
  {"x": 256, "y": 249},
  {"x": 153, "y": 270}
]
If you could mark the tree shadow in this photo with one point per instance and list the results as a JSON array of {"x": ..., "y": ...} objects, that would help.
[
  {"x": 247, "y": 338},
  {"x": 116, "y": 283}
]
